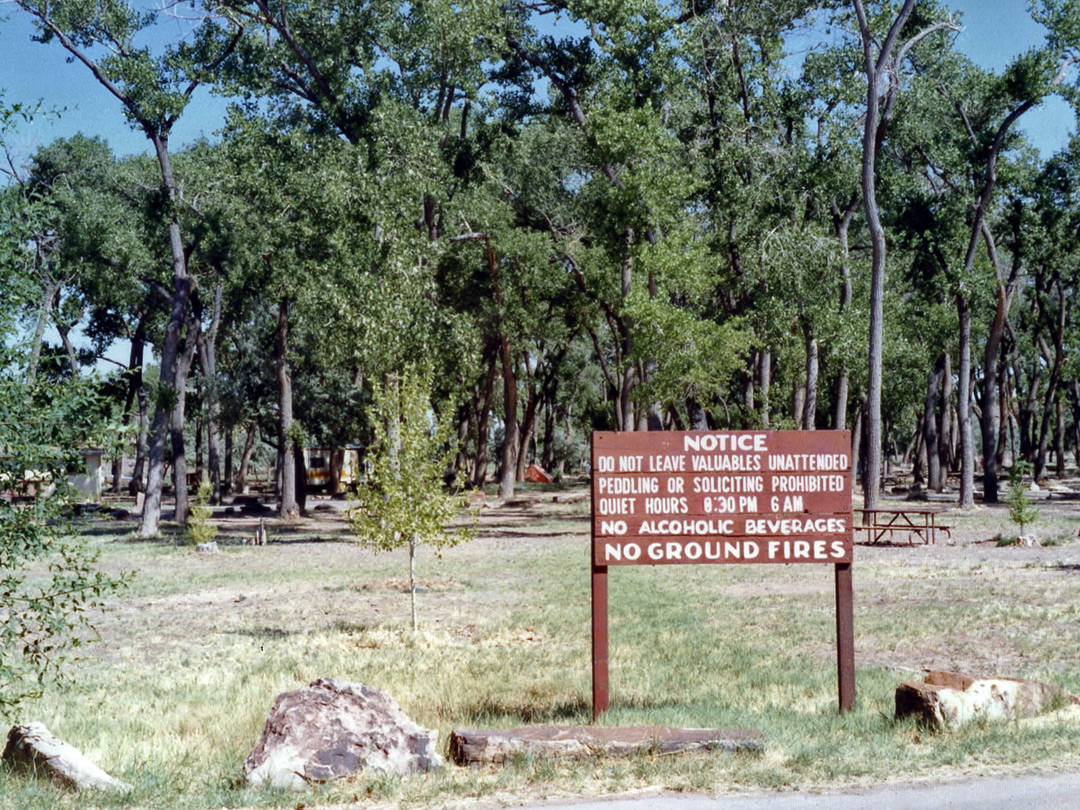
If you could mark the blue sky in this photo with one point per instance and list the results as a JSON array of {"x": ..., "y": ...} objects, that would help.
[{"x": 994, "y": 32}]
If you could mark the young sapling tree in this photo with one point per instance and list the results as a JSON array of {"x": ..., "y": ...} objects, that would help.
[
  {"x": 1021, "y": 509},
  {"x": 404, "y": 501}
]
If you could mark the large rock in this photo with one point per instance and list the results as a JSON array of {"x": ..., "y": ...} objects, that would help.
[
  {"x": 333, "y": 729},
  {"x": 950, "y": 700},
  {"x": 34, "y": 747},
  {"x": 571, "y": 742}
]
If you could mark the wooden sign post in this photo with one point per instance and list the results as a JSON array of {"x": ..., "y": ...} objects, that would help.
[{"x": 722, "y": 497}]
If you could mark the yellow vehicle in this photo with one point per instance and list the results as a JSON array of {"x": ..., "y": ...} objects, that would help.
[{"x": 334, "y": 469}]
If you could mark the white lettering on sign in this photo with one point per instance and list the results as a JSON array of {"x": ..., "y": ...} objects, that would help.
[
  {"x": 808, "y": 483},
  {"x": 666, "y": 464},
  {"x": 616, "y": 506},
  {"x": 723, "y": 484},
  {"x": 797, "y": 462},
  {"x": 666, "y": 506},
  {"x": 725, "y": 463},
  {"x": 607, "y": 485},
  {"x": 736, "y": 551},
  {"x": 725, "y": 442},
  {"x": 693, "y": 527},
  {"x": 796, "y": 526}
]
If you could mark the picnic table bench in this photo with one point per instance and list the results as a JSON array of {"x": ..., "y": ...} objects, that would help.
[{"x": 920, "y": 524}]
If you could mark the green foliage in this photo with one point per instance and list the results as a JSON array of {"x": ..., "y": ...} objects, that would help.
[
  {"x": 199, "y": 529},
  {"x": 50, "y": 590},
  {"x": 49, "y": 587},
  {"x": 1021, "y": 509},
  {"x": 404, "y": 502}
]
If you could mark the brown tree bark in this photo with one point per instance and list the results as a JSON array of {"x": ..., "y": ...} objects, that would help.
[
  {"x": 1050, "y": 397},
  {"x": 809, "y": 420},
  {"x": 946, "y": 429},
  {"x": 480, "y": 464},
  {"x": 134, "y": 381},
  {"x": 208, "y": 364},
  {"x": 508, "y": 460},
  {"x": 934, "y": 479},
  {"x": 176, "y": 421},
  {"x": 245, "y": 459},
  {"x": 963, "y": 405},
  {"x": 288, "y": 509}
]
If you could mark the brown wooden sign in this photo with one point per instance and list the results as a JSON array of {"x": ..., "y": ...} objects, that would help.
[{"x": 722, "y": 497}]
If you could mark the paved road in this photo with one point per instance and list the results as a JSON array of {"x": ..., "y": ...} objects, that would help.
[{"x": 1015, "y": 793}]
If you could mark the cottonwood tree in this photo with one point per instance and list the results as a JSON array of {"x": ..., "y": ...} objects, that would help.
[
  {"x": 153, "y": 92},
  {"x": 882, "y": 63}
]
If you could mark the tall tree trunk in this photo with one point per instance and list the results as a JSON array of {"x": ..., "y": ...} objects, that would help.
[
  {"x": 857, "y": 455},
  {"x": 919, "y": 457},
  {"x": 626, "y": 336},
  {"x": 200, "y": 426},
  {"x": 547, "y": 460},
  {"x": 1026, "y": 417},
  {"x": 696, "y": 414},
  {"x": 176, "y": 422},
  {"x": 1050, "y": 397},
  {"x": 508, "y": 461},
  {"x": 245, "y": 458},
  {"x": 963, "y": 406},
  {"x": 183, "y": 285},
  {"x": 300, "y": 475},
  {"x": 765, "y": 384},
  {"x": 946, "y": 431},
  {"x": 227, "y": 475},
  {"x": 528, "y": 424},
  {"x": 208, "y": 363},
  {"x": 288, "y": 508},
  {"x": 841, "y": 226},
  {"x": 934, "y": 479},
  {"x": 49, "y": 295},
  {"x": 412, "y": 582},
  {"x": 875, "y": 66},
  {"x": 134, "y": 381},
  {"x": 460, "y": 471},
  {"x": 1059, "y": 438},
  {"x": 137, "y": 483},
  {"x": 1075, "y": 402},
  {"x": 749, "y": 404},
  {"x": 798, "y": 399},
  {"x": 991, "y": 416},
  {"x": 809, "y": 420},
  {"x": 480, "y": 465}
]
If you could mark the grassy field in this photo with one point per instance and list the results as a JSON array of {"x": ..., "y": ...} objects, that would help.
[{"x": 174, "y": 694}]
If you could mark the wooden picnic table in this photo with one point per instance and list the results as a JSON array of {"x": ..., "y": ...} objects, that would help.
[{"x": 915, "y": 523}]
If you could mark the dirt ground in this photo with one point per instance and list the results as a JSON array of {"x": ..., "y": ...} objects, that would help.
[{"x": 310, "y": 576}]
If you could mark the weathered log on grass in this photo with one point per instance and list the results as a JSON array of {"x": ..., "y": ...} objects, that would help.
[
  {"x": 496, "y": 746},
  {"x": 33, "y": 747}
]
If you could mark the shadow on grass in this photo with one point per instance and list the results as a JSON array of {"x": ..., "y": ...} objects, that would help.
[
  {"x": 270, "y": 633},
  {"x": 526, "y": 711},
  {"x": 540, "y": 533}
]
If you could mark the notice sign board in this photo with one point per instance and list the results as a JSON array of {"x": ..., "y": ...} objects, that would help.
[{"x": 722, "y": 497}]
